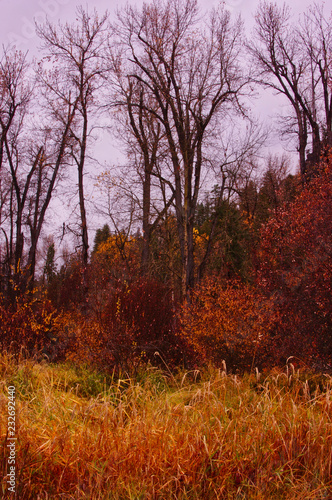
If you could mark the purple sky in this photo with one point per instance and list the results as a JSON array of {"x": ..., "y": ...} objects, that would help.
[{"x": 17, "y": 16}]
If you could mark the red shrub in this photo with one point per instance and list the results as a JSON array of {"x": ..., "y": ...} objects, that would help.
[
  {"x": 295, "y": 268},
  {"x": 30, "y": 323},
  {"x": 141, "y": 319}
]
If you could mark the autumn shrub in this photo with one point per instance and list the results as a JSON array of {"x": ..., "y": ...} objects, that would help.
[
  {"x": 30, "y": 323},
  {"x": 87, "y": 342},
  {"x": 228, "y": 322},
  {"x": 120, "y": 319},
  {"x": 295, "y": 271},
  {"x": 66, "y": 288},
  {"x": 125, "y": 325},
  {"x": 143, "y": 316},
  {"x": 118, "y": 257}
]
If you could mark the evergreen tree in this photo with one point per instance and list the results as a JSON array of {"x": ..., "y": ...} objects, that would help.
[{"x": 102, "y": 236}]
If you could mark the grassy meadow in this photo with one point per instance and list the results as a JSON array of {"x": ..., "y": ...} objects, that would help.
[{"x": 191, "y": 436}]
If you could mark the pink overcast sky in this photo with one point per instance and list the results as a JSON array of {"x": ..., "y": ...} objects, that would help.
[{"x": 17, "y": 16}]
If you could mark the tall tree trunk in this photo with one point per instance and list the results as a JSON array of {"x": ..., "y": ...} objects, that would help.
[
  {"x": 145, "y": 258},
  {"x": 303, "y": 141}
]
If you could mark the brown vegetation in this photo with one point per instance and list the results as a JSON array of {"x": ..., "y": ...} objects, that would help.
[{"x": 197, "y": 435}]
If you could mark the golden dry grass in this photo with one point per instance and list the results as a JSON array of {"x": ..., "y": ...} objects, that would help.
[{"x": 82, "y": 435}]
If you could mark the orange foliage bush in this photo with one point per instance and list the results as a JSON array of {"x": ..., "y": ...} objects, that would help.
[
  {"x": 84, "y": 342},
  {"x": 230, "y": 323},
  {"x": 119, "y": 256}
]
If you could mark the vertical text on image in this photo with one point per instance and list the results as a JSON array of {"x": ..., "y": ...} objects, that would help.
[{"x": 11, "y": 439}]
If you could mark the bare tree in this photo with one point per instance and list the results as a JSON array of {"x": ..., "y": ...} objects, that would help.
[
  {"x": 77, "y": 54},
  {"x": 31, "y": 157},
  {"x": 15, "y": 98},
  {"x": 191, "y": 73},
  {"x": 316, "y": 34},
  {"x": 294, "y": 61},
  {"x": 51, "y": 156},
  {"x": 144, "y": 140},
  {"x": 235, "y": 167},
  {"x": 118, "y": 204}
]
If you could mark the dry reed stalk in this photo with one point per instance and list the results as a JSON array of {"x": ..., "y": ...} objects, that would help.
[{"x": 223, "y": 437}]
